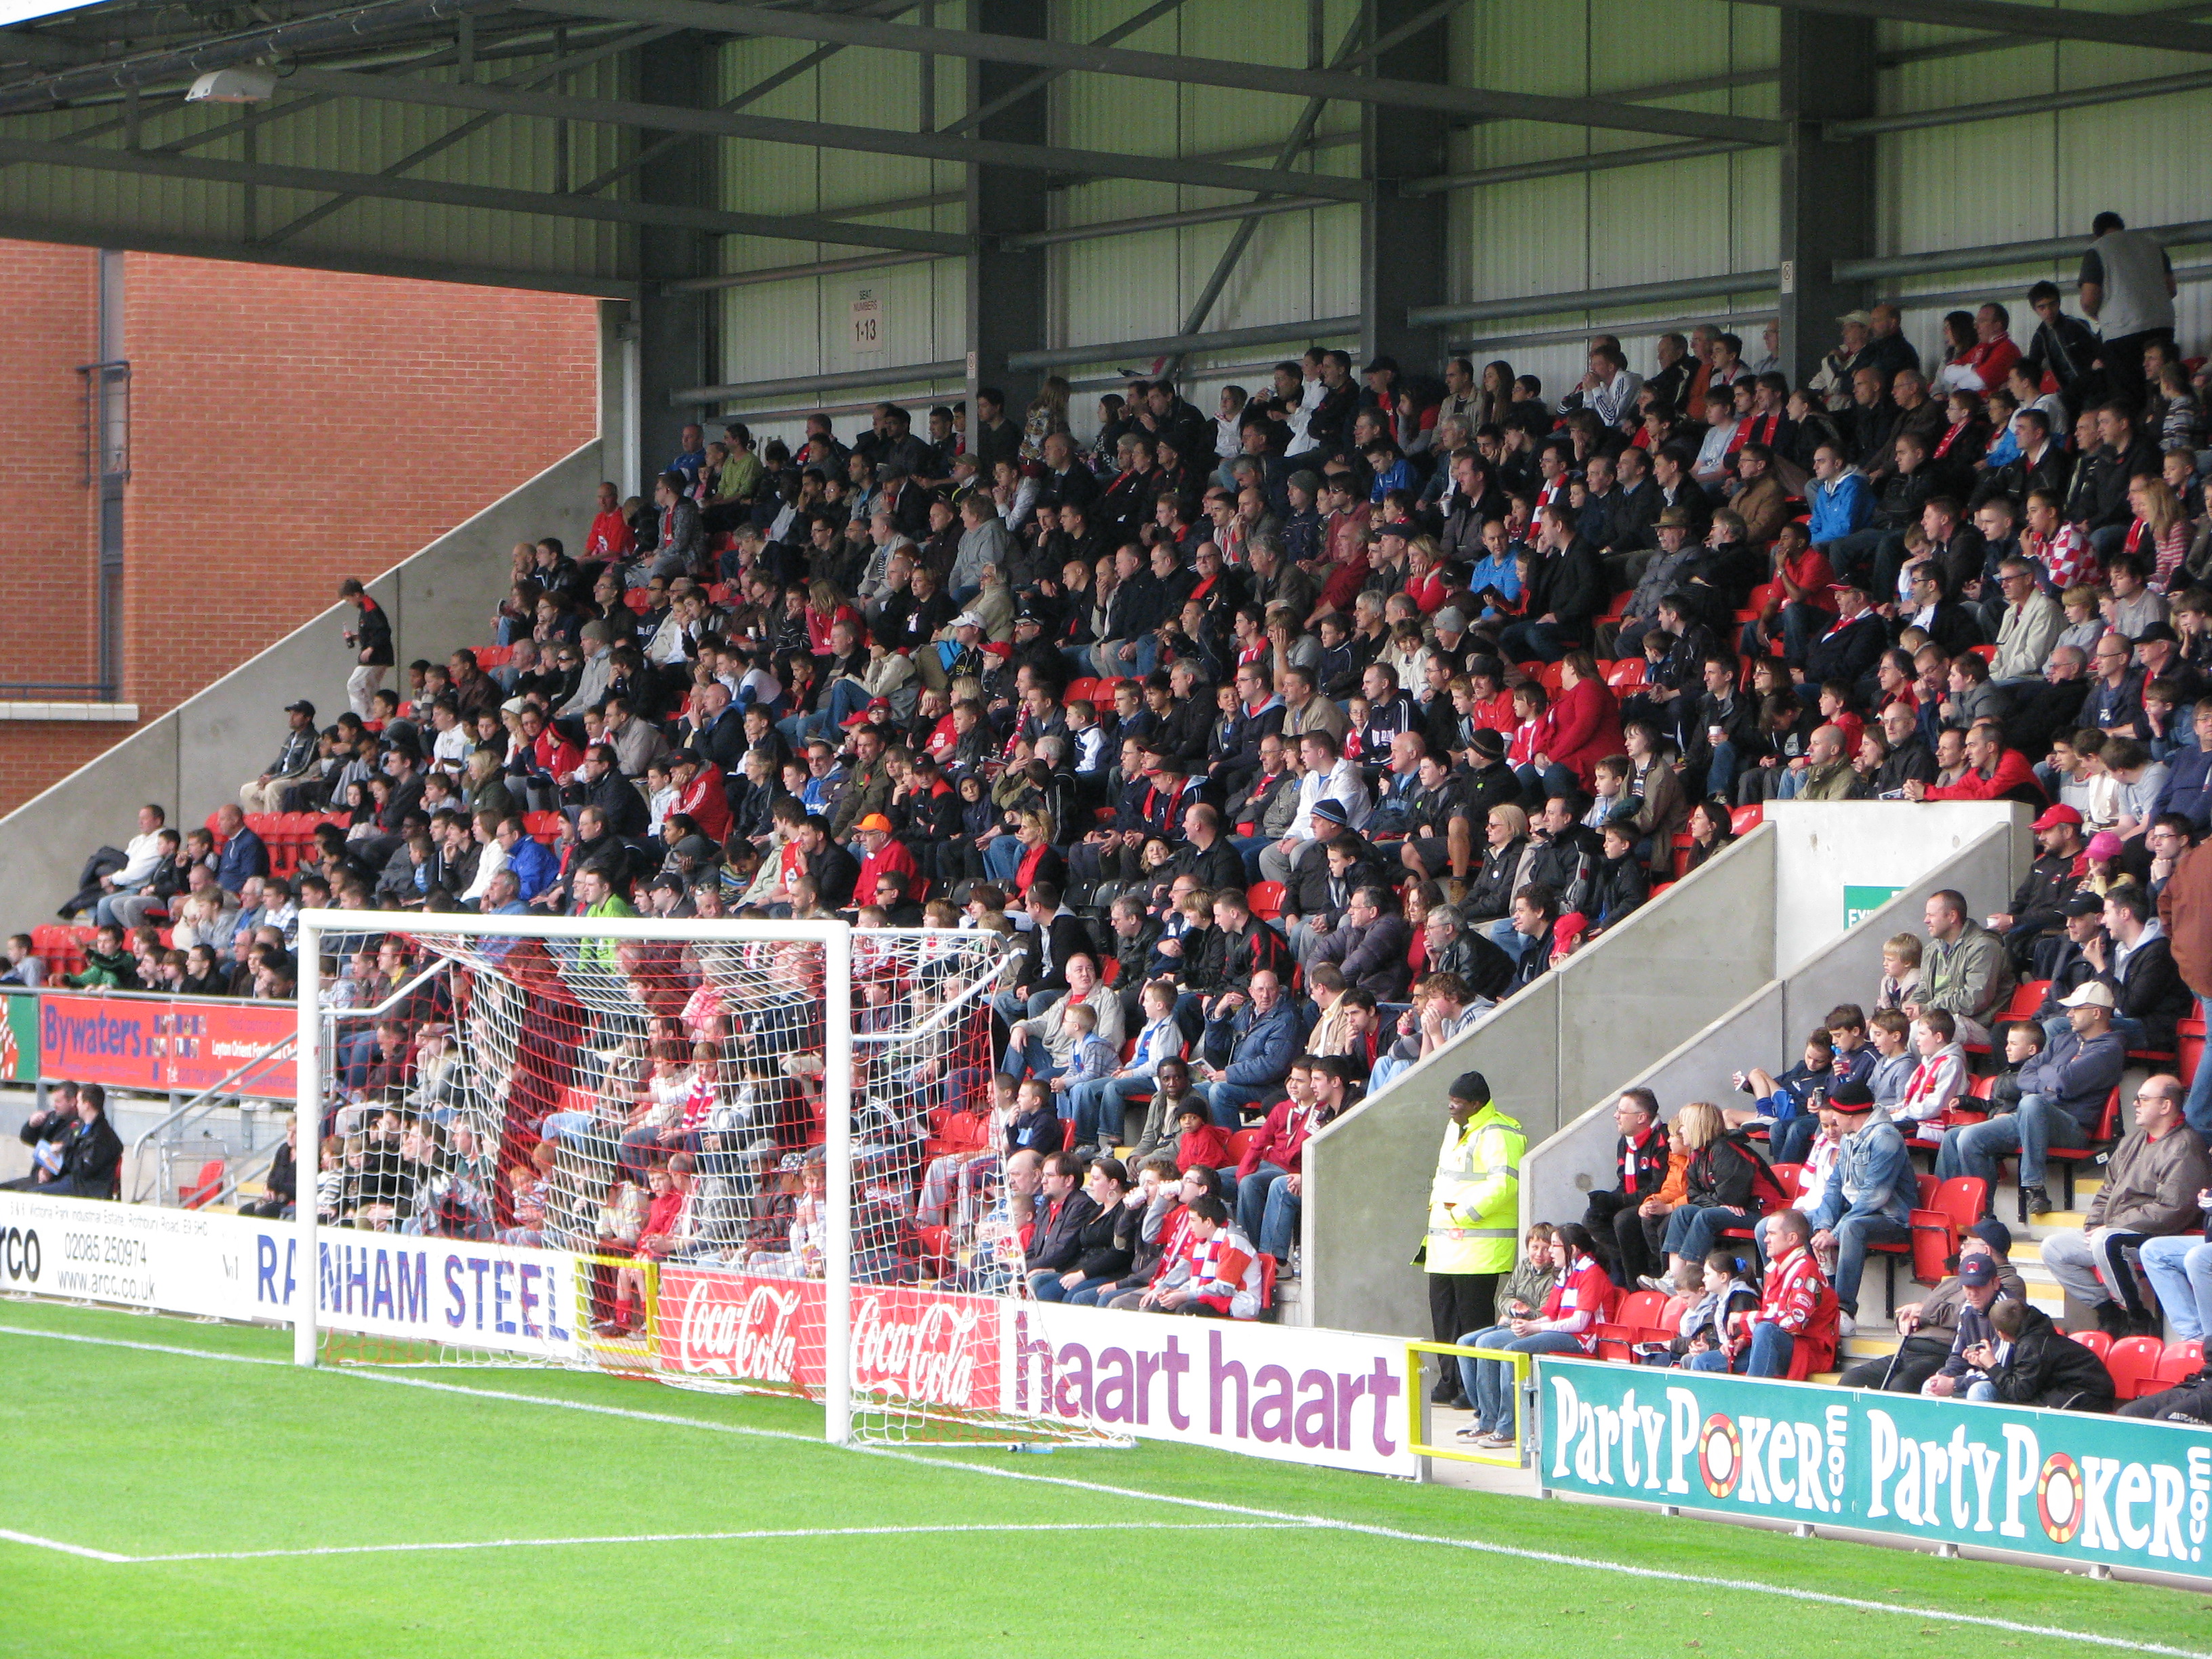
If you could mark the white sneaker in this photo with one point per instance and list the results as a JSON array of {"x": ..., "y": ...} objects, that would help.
[{"x": 1846, "y": 1325}]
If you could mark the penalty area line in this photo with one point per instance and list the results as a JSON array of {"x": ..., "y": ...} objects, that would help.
[{"x": 1618, "y": 1569}]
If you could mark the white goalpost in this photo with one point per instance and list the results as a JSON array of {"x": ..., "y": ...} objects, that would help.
[{"x": 726, "y": 1154}]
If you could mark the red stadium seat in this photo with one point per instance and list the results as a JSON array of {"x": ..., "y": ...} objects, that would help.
[
  {"x": 2066, "y": 1157},
  {"x": 2181, "y": 1360},
  {"x": 1266, "y": 898},
  {"x": 1626, "y": 674},
  {"x": 2133, "y": 1363},
  {"x": 1745, "y": 819},
  {"x": 542, "y": 826},
  {"x": 2099, "y": 1343},
  {"x": 203, "y": 1189}
]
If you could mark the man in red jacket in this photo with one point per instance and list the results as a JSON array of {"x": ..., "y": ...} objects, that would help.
[
  {"x": 1797, "y": 1312},
  {"x": 885, "y": 855},
  {"x": 1993, "y": 773}
]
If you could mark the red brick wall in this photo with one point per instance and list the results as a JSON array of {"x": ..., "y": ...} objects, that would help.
[
  {"x": 48, "y": 523},
  {"x": 288, "y": 429}
]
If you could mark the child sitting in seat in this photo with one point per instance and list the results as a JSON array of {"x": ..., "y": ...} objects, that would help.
[
  {"x": 1199, "y": 1139},
  {"x": 1936, "y": 1081}
]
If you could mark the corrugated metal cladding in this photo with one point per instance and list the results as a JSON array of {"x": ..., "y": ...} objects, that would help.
[
  {"x": 364, "y": 135},
  {"x": 1632, "y": 224},
  {"x": 1297, "y": 265},
  {"x": 2143, "y": 158},
  {"x": 772, "y": 331}
]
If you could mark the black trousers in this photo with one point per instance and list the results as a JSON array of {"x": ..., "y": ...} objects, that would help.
[
  {"x": 2191, "y": 1399},
  {"x": 1458, "y": 1304},
  {"x": 1917, "y": 1359},
  {"x": 1628, "y": 1238}
]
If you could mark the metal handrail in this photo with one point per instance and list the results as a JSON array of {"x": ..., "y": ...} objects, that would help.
[{"x": 208, "y": 1098}]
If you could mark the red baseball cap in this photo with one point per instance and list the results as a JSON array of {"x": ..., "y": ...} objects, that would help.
[{"x": 2054, "y": 815}]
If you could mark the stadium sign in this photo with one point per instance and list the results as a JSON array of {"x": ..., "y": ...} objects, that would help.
[
  {"x": 1292, "y": 1393},
  {"x": 499, "y": 1297},
  {"x": 2067, "y": 1487},
  {"x": 84, "y": 1250},
  {"x": 155, "y": 1045}
]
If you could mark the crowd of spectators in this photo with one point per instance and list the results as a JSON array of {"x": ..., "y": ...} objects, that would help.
[
  {"x": 1750, "y": 1227},
  {"x": 1278, "y": 744}
]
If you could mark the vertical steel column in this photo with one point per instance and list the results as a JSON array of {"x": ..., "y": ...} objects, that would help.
[
  {"x": 1403, "y": 257},
  {"x": 676, "y": 333},
  {"x": 1005, "y": 287},
  {"x": 1827, "y": 194}
]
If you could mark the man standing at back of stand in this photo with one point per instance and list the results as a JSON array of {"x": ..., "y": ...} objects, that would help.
[{"x": 1474, "y": 1209}]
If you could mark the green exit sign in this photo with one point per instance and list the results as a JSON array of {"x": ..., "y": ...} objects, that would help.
[{"x": 1860, "y": 902}]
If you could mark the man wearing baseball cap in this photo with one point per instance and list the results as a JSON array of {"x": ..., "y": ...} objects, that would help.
[
  {"x": 883, "y": 853},
  {"x": 2062, "y": 1102},
  {"x": 1869, "y": 1195},
  {"x": 293, "y": 762},
  {"x": 2037, "y": 906},
  {"x": 1474, "y": 1219}
]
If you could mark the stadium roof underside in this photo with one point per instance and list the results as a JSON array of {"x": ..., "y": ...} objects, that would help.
[{"x": 632, "y": 149}]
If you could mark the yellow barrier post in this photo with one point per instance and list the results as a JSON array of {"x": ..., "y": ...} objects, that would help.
[{"x": 1416, "y": 1402}]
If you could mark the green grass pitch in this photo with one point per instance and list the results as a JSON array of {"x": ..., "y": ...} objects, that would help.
[{"x": 319, "y": 1513}]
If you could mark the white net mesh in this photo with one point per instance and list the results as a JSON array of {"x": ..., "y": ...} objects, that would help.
[{"x": 652, "y": 1112}]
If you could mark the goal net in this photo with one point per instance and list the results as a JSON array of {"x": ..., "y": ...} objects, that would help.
[{"x": 727, "y": 1154}]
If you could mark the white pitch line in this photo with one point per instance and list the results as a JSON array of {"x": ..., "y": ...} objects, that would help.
[
  {"x": 1215, "y": 1506},
  {"x": 762, "y": 1536},
  {"x": 36, "y": 1542}
]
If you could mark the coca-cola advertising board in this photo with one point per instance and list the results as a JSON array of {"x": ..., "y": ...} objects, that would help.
[
  {"x": 907, "y": 1344},
  {"x": 760, "y": 1330}
]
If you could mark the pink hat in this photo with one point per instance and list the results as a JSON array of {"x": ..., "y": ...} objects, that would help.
[{"x": 2105, "y": 845}]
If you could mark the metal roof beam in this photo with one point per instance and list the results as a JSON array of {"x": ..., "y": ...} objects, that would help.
[
  {"x": 2004, "y": 18},
  {"x": 1174, "y": 68},
  {"x": 2042, "y": 103},
  {"x": 787, "y": 227},
  {"x": 882, "y": 140},
  {"x": 17, "y": 229}
]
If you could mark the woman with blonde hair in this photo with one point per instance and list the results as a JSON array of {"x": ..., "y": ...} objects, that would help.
[
  {"x": 1490, "y": 894},
  {"x": 1719, "y": 1191},
  {"x": 2159, "y": 534}
]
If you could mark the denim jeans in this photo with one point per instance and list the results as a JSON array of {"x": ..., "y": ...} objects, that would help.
[
  {"x": 1773, "y": 1348},
  {"x": 1694, "y": 1230},
  {"x": 1222, "y": 1100},
  {"x": 1002, "y": 858},
  {"x": 2198, "y": 1109},
  {"x": 1030, "y": 1058},
  {"x": 1974, "y": 1149},
  {"x": 1492, "y": 1393},
  {"x": 2179, "y": 1268},
  {"x": 1256, "y": 1196},
  {"x": 1099, "y": 1108},
  {"x": 1853, "y": 1234}
]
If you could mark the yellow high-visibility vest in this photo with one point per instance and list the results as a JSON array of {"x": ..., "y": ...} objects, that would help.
[{"x": 1475, "y": 1202}]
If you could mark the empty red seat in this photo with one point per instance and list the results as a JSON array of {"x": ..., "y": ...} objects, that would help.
[{"x": 2134, "y": 1362}]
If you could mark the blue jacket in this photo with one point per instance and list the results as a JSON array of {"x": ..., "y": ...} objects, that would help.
[
  {"x": 1873, "y": 1177},
  {"x": 533, "y": 865},
  {"x": 242, "y": 855},
  {"x": 2188, "y": 787},
  {"x": 1260, "y": 1045},
  {"x": 2076, "y": 1075},
  {"x": 1840, "y": 507}
]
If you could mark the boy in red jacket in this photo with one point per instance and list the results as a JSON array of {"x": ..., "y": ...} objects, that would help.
[{"x": 1200, "y": 1139}]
